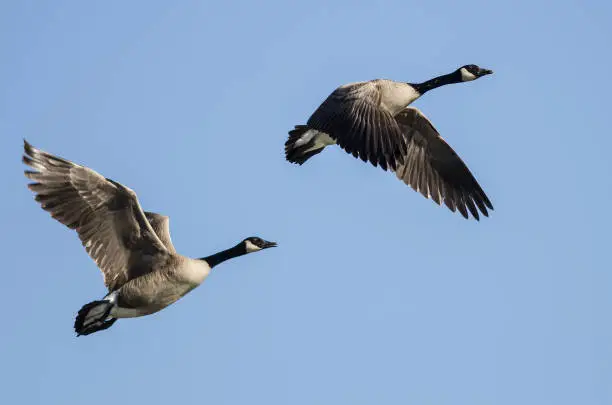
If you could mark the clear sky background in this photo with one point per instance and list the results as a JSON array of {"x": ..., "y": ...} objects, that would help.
[{"x": 375, "y": 295}]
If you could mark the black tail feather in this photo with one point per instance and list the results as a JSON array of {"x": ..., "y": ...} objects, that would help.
[
  {"x": 299, "y": 154},
  {"x": 87, "y": 322}
]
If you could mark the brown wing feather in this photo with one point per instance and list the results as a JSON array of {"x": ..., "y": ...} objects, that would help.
[
  {"x": 434, "y": 169},
  {"x": 106, "y": 215},
  {"x": 354, "y": 117}
]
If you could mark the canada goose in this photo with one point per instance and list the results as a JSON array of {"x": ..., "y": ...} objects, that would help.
[
  {"x": 132, "y": 248},
  {"x": 371, "y": 121}
]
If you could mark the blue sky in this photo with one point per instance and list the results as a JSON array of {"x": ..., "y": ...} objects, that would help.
[{"x": 375, "y": 295}]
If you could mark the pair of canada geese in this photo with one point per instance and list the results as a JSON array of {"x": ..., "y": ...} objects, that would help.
[{"x": 132, "y": 247}]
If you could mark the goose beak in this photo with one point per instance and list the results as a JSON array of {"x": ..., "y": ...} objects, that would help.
[
  {"x": 269, "y": 245},
  {"x": 484, "y": 72}
]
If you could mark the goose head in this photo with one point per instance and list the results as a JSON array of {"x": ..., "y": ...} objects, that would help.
[
  {"x": 255, "y": 244},
  {"x": 246, "y": 246},
  {"x": 463, "y": 74},
  {"x": 471, "y": 72}
]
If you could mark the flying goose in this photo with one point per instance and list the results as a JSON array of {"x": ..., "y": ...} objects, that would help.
[
  {"x": 371, "y": 120},
  {"x": 132, "y": 248}
]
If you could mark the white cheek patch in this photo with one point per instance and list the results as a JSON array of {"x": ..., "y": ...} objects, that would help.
[
  {"x": 251, "y": 247},
  {"x": 466, "y": 76}
]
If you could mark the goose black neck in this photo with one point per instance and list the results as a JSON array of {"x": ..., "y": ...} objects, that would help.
[
  {"x": 224, "y": 255},
  {"x": 424, "y": 87}
]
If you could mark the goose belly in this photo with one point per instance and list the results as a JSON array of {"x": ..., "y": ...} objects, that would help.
[
  {"x": 147, "y": 295},
  {"x": 154, "y": 300}
]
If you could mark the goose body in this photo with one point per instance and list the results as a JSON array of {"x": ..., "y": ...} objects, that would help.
[
  {"x": 142, "y": 270},
  {"x": 372, "y": 121}
]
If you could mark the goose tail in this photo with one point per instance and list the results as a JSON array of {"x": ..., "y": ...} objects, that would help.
[
  {"x": 303, "y": 143},
  {"x": 94, "y": 317}
]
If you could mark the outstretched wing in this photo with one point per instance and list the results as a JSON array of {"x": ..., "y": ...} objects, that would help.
[
  {"x": 105, "y": 214},
  {"x": 354, "y": 117},
  {"x": 434, "y": 169}
]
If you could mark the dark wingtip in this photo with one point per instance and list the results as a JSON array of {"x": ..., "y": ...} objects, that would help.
[
  {"x": 27, "y": 147},
  {"x": 28, "y": 157},
  {"x": 381, "y": 162}
]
